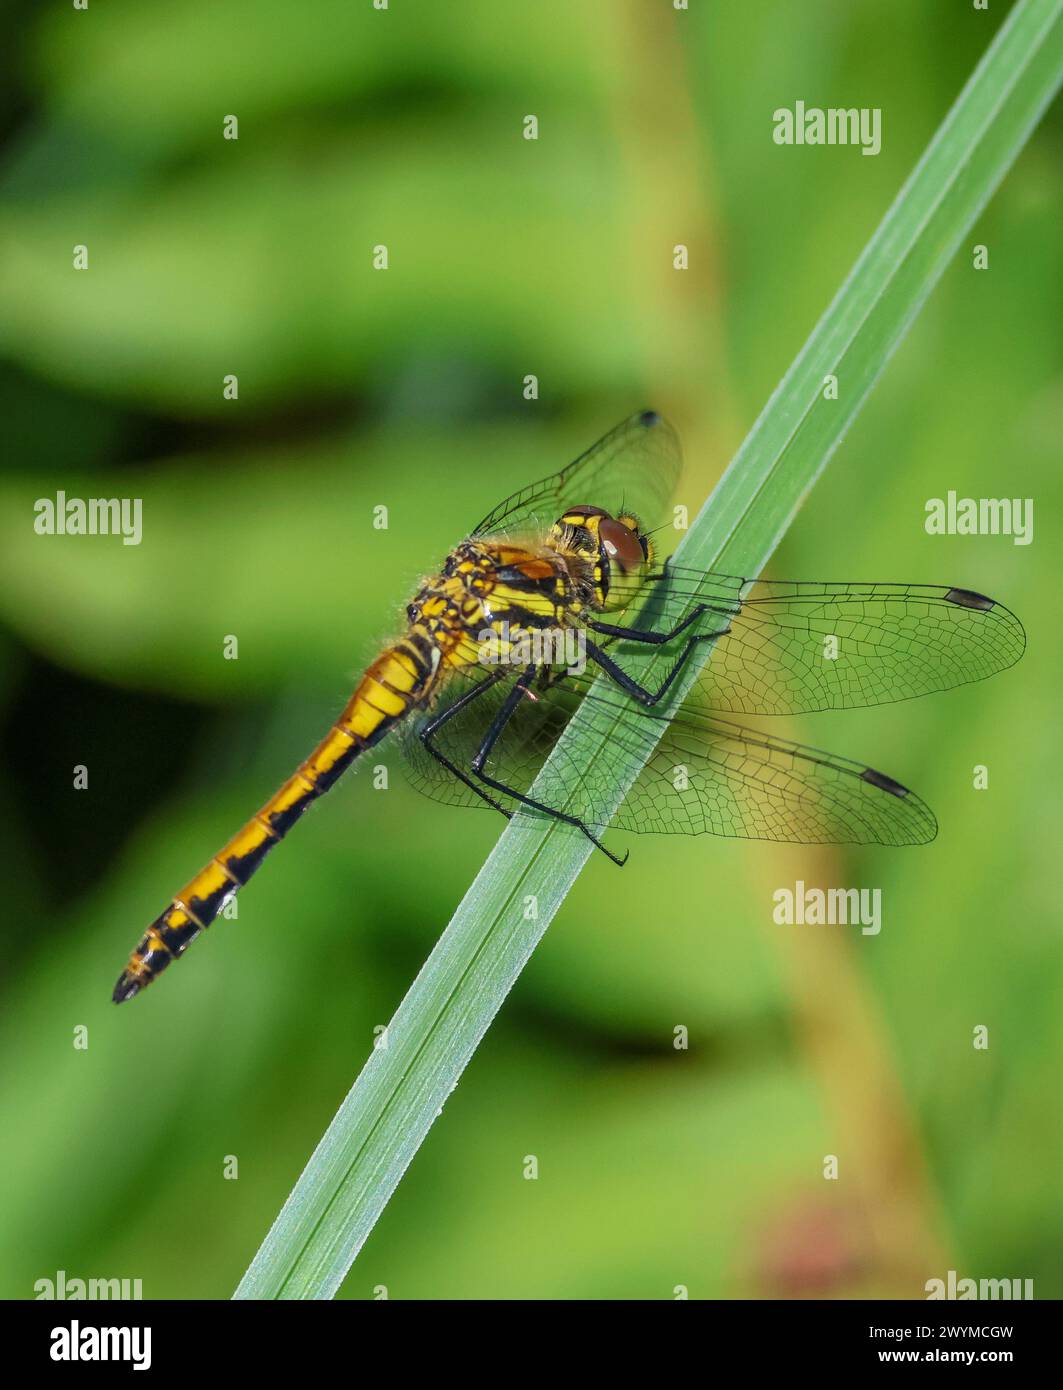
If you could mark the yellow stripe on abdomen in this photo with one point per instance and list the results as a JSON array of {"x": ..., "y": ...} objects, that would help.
[{"x": 392, "y": 685}]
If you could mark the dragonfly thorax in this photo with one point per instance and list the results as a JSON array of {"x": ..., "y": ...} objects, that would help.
[{"x": 488, "y": 589}]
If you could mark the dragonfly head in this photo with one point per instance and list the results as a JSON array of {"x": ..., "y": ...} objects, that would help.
[{"x": 616, "y": 546}]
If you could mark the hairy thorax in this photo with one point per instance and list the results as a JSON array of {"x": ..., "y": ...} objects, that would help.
[{"x": 502, "y": 589}]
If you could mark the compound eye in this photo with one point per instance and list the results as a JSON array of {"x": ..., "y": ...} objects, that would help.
[
  {"x": 413, "y": 612},
  {"x": 622, "y": 545}
]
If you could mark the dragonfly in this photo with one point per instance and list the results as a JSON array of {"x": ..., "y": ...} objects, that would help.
[{"x": 479, "y": 695}]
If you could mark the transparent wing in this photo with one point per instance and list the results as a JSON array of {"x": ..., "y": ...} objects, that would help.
[
  {"x": 798, "y": 647},
  {"x": 709, "y": 776},
  {"x": 634, "y": 467},
  {"x": 706, "y": 776}
]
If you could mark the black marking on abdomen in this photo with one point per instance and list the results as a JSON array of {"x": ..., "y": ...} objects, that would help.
[
  {"x": 206, "y": 909},
  {"x": 282, "y": 821},
  {"x": 158, "y": 959},
  {"x": 178, "y": 939},
  {"x": 325, "y": 779},
  {"x": 242, "y": 867}
]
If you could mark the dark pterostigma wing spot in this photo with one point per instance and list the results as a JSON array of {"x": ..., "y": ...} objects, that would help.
[
  {"x": 967, "y": 598},
  {"x": 884, "y": 783}
]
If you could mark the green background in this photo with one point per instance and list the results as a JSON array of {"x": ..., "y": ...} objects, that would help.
[{"x": 658, "y": 1167}]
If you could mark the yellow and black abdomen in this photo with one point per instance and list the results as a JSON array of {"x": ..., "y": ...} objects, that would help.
[{"x": 396, "y": 682}]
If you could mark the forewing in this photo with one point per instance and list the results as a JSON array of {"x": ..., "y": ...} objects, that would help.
[
  {"x": 634, "y": 468},
  {"x": 799, "y": 647}
]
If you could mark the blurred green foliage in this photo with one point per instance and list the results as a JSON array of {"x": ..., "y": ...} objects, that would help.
[{"x": 358, "y": 388}]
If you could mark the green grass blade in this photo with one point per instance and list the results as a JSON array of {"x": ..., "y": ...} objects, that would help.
[{"x": 450, "y": 1005}]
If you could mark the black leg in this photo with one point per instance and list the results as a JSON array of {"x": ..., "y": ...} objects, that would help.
[
  {"x": 431, "y": 728},
  {"x": 641, "y": 634},
  {"x": 627, "y": 683},
  {"x": 501, "y": 719}
]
